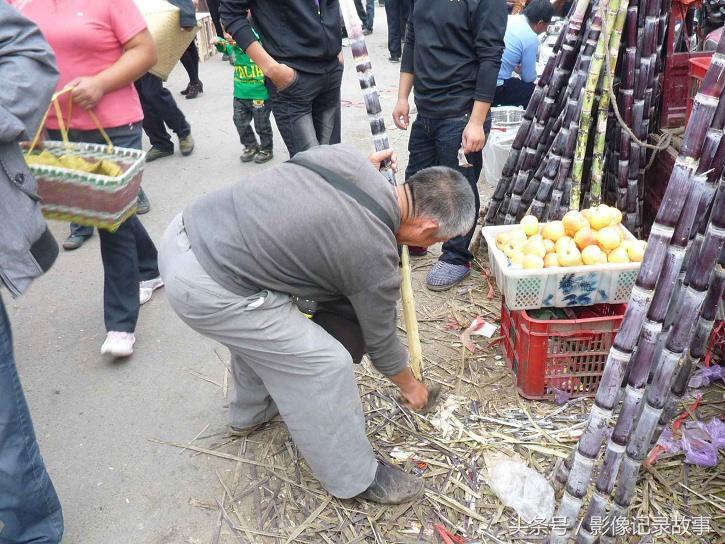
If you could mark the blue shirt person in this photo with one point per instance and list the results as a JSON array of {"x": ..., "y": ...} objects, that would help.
[{"x": 522, "y": 46}]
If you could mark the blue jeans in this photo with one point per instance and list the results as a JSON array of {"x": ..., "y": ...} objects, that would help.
[
  {"x": 29, "y": 507},
  {"x": 435, "y": 142},
  {"x": 128, "y": 255}
]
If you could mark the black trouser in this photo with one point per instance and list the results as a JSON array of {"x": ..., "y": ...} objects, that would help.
[
  {"x": 366, "y": 13},
  {"x": 246, "y": 110},
  {"x": 307, "y": 112},
  {"x": 159, "y": 108},
  {"x": 213, "y": 6},
  {"x": 338, "y": 318},
  {"x": 190, "y": 60},
  {"x": 396, "y": 11},
  {"x": 128, "y": 255},
  {"x": 513, "y": 92}
]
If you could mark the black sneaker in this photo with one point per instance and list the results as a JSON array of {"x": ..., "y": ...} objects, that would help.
[
  {"x": 394, "y": 58},
  {"x": 194, "y": 90},
  {"x": 263, "y": 155},
  {"x": 392, "y": 486},
  {"x": 367, "y": 31},
  {"x": 248, "y": 154}
]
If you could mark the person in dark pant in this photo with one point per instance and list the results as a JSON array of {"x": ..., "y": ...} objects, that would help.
[
  {"x": 159, "y": 111},
  {"x": 190, "y": 61},
  {"x": 130, "y": 269},
  {"x": 302, "y": 65},
  {"x": 366, "y": 14},
  {"x": 121, "y": 42},
  {"x": 522, "y": 47},
  {"x": 396, "y": 12},
  {"x": 451, "y": 58},
  {"x": 190, "y": 58},
  {"x": 29, "y": 507}
]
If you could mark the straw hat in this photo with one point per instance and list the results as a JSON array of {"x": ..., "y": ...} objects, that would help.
[{"x": 164, "y": 23}]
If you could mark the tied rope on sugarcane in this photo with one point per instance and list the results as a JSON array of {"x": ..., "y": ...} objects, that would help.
[{"x": 371, "y": 97}]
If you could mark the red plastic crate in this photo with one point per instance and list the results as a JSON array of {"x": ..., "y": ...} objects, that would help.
[
  {"x": 698, "y": 68},
  {"x": 547, "y": 356}
]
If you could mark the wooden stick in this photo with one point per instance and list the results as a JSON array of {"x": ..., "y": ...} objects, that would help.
[{"x": 380, "y": 139}]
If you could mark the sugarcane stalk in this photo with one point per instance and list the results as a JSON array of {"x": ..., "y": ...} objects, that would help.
[
  {"x": 610, "y": 8},
  {"x": 657, "y": 394},
  {"x": 615, "y": 39},
  {"x": 380, "y": 140},
  {"x": 620, "y": 355}
]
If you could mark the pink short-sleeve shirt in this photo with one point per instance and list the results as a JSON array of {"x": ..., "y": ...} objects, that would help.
[{"x": 88, "y": 37}]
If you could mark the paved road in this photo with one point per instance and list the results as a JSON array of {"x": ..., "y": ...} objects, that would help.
[{"x": 94, "y": 417}]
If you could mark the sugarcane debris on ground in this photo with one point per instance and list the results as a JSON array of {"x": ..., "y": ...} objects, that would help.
[{"x": 267, "y": 493}]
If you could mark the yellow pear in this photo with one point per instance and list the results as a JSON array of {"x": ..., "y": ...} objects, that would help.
[
  {"x": 569, "y": 255},
  {"x": 618, "y": 255},
  {"x": 517, "y": 260},
  {"x": 635, "y": 251},
  {"x": 535, "y": 247},
  {"x": 574, "y": 221},
  {"x": 553, "y": 230},
  {"x": 593, "y": 255},
  {"x": 533, "y": 261},
  {"x": 600, "y": 217},
  {"x": 549, "y": 245},
  {"x": 530, "y": 225},
  {"x": 550, "y": 260},
  {"x": 564, "y": 242},
  {"x": 609, "y": 238}
]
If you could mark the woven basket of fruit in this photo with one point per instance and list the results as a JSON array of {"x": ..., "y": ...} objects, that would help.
[{"x": 587, "y": 258}]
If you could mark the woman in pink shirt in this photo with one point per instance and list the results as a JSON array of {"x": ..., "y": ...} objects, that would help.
[{"x": 102, "y": 47}]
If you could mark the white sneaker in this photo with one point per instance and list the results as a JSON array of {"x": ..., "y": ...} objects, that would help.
[
  {"x": 118, "y": 344},
  {"x": 147, "y": 288},
  {"x": 345, "y": 42}
]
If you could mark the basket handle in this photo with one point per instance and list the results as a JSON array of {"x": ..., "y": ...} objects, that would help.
[{"x": 54, "y": 103}]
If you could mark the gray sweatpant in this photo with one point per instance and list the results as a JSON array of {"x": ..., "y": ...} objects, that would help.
[{"x": 282, "y": 362}]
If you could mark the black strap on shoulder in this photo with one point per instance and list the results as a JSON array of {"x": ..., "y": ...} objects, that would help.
[{"x": 353, "y": 191}]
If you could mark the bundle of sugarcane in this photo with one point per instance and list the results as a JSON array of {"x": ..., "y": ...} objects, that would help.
[
  {"x": 694, "y": 202},
  {"x": 559, "y": 159}
]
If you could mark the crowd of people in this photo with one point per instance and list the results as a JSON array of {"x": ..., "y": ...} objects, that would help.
[{"x": 230, "y": 273}]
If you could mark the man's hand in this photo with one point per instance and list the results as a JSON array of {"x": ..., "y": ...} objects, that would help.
[
  {"x": 378, "y": 157},
  {"x": 401, "y": 111},
  {"x": 282, "y": 76},
  {"x": 413, "y": 391},
  {"x": 87, "y": 91},
  {"x": 473, "y": 137}
]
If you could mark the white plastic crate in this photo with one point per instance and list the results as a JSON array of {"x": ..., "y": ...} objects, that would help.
[
  {"x": 558, "y": 286},
  {"x": 506, "y": 117}
]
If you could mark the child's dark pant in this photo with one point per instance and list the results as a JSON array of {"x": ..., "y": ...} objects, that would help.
[{"x": 244, "y": 111}]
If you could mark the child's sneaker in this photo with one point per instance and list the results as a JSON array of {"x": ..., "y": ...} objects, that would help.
[
  {"x": 263, "y": 155},
  {"x": 249, "y": 154}
]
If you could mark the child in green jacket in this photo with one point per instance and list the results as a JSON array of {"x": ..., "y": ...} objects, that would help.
[{"x": 251, "y": 102}]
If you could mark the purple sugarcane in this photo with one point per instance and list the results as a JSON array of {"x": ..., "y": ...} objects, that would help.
[{"x": 364, "y": 69}]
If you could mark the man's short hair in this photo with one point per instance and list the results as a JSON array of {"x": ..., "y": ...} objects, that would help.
[
  {"x": 539, "y": 10},
  {"x": 444, "y": 194}
]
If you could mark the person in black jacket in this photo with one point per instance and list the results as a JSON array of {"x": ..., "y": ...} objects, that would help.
[
  {"x": 451, "y": 59},
  {"x": 301, "y": 59}
]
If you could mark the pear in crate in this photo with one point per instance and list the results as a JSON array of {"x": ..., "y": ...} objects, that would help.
[
  {"x": 609, "y": 238},
  {"x": 618, "y": 255},
  {"x": 551, "y": 260},
  {"x": 569, "y": 255},
  {"x": 574, "y": 221},
  {"x": 532, "y": 261},
  {"x": 530, "y": 225},
  {"x": 553, "y": 230},
  {"x": 592, "y": 255},
  {"x": 584, "y": 237},
  {"x": 600, "y": 217}
]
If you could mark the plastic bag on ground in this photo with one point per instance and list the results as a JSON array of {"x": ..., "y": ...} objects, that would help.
[
  {"x": 705, "y": 376},
  {"x": 520, "y": 487}
]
